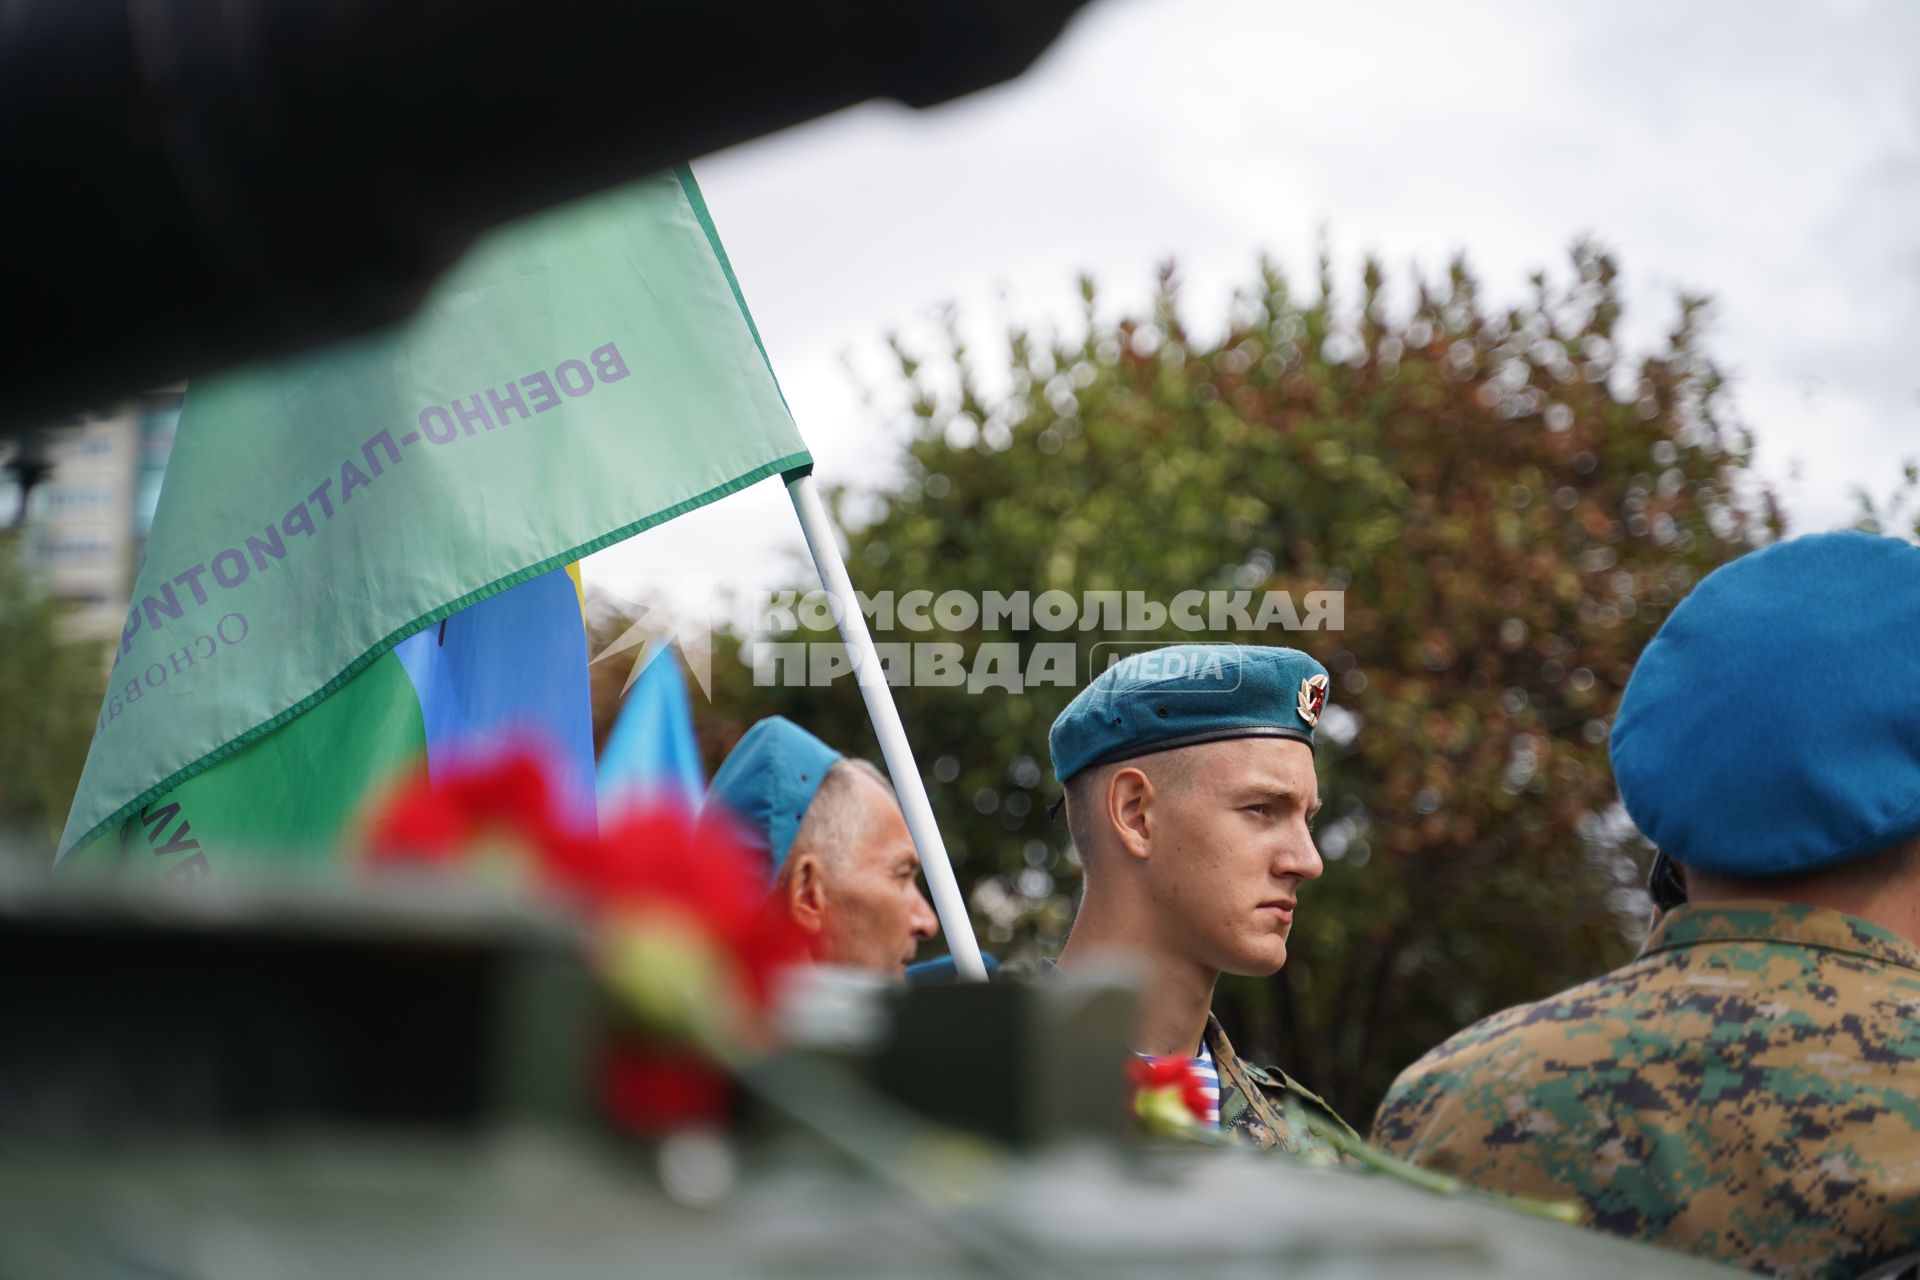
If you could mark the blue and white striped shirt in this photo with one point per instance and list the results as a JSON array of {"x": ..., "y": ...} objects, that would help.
[{"x": 1209, "y": 1083}]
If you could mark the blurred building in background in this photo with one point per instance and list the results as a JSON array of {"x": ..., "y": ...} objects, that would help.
[{"x": 82, "y": 495}]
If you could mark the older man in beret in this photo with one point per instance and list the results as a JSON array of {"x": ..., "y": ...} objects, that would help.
[
  {"x": 839, "y": 856},
  {"x": 1748, "y": 1089},
  {"x": 1190, "y": 787}
]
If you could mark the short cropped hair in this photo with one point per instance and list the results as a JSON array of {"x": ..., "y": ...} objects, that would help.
[
  {"x": 1086, "y": 791},
  {"x": 836, "y": 818}
]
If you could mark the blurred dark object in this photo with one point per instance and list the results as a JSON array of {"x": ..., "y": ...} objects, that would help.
[
  {"x": 1665, "y": 885},
  {"x": 199, "y": 182},
  {"x": 158, "y": 1013},
  {"x": 305, "y": 1082},
  {"x": 1022, "y": 1063}
]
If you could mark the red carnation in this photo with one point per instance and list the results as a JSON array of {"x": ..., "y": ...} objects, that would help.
[
  {"x": 1171, "y": 1073},
  {"x": 430, "y": 819}
]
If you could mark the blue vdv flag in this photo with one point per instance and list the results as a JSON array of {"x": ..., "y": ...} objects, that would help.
[{"x": 651, "y": 755}]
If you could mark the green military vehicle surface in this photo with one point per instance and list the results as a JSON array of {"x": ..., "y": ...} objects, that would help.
[{"x": 265, "y": 1084}]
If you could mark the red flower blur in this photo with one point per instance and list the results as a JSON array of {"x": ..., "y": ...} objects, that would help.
[
  {"x": 648, "y": 1092},
  {"x": 1168, "y": 1074},
  {"x": 692, "y": 893},
  {"x": 440, "y": 822},
  {"x": 649, "y": 858}
]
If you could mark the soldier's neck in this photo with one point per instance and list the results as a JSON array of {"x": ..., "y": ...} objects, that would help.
[
  {"x": 1883, "y": 889},
  {"x": 1177, "y": 993}
]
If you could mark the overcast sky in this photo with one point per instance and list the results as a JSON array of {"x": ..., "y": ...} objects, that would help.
[{"x": 1767, "y": 154}]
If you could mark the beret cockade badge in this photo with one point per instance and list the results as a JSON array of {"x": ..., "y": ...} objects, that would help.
[{"x": 1313, "y": 699}]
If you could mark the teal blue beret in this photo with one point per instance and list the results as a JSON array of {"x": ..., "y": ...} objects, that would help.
[
  {"x": 1772, "y": 725},
  {"x": 768, "y": 780},
  {"x": 1186, "y": 694}
]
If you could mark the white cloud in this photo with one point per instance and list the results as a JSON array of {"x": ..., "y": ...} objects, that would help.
[{"x": 1766, "y": 154}]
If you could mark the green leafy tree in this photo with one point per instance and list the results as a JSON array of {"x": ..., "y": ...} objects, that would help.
[
  {"x": 1510, "y": 504},
  {"x": 50, "y": 689}
]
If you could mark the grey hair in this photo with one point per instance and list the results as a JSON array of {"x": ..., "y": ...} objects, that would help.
[{"x": 836, "y": 820}]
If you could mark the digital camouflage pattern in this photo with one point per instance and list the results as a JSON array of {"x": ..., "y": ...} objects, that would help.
[
  {"x": 1264, "y": 1106},
  {"x": 1268, "y": 1108},
  {"x": 1747, "y": 1090}
]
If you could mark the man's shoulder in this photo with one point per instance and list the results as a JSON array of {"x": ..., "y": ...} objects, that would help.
[
  {"x": 1278, "y": 1083},
  {"x": 1790, "y": 1061},
  {"x": 1649, "y": 1009},
  {"x": 1498, "y": 1053},
  {"x": 1599, "y": 1006},
  {"x": 1267, "y": 1107},
  {"x": 1649, "y": 1024}
]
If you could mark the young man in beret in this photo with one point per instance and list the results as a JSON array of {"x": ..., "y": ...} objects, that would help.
[
  {"x": 1190, "y": 787},
  {"x": 839, "y": 856},
  {"x": 1749, "y": 1089}
]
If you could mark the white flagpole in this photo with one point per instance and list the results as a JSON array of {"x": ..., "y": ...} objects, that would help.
[{"x": 947, "y": 902}]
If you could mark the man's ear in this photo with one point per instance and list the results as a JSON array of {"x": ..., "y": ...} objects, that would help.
[
  {"x": 1129, "y": 801},
  {"x": 805, "y": 889}
]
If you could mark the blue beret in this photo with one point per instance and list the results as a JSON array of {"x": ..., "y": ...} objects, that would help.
[
  {"x": 1773, "y": 724},
  {"x": 1186, "y": 694},
  {"x": 768, "y": 780}
]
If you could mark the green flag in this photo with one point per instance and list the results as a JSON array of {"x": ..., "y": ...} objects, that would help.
[{"x": 577, "y": 378}]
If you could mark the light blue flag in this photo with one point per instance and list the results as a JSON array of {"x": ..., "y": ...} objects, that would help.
[{"x": 651, "y": 756}]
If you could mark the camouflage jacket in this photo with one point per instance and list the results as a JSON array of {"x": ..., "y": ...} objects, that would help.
[
  {"x": 1266, "y": 1107},
  {"x": 1747, "y": 1090},
  {"x": 1255, "y": 1102}
]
